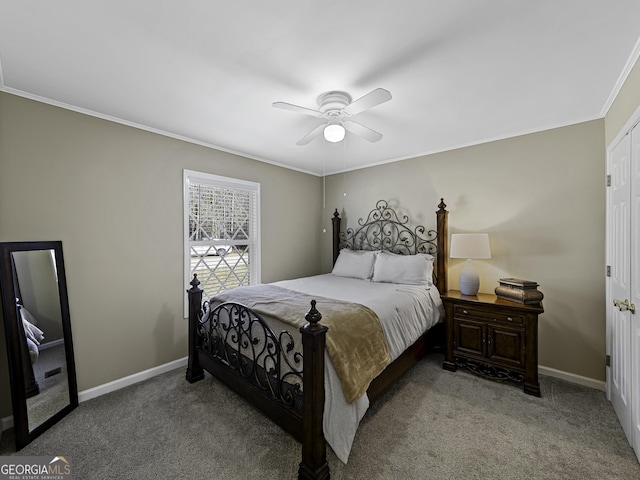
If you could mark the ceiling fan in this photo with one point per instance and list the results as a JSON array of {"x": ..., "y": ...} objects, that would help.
[{"x": 336, "y": 108}]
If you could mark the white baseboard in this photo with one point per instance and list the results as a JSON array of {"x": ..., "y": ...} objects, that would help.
[
  {"x": 55, "y": 343},
  {"x": 573, "y": 378},
  {"x": 182, "y": 362},
  {"x": 130, "y": 380}
]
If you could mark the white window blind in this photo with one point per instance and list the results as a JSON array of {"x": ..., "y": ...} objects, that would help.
[{"x": 221, "y": 231}]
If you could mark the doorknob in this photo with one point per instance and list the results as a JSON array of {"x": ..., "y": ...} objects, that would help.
[{"x": 623, "y": 306}]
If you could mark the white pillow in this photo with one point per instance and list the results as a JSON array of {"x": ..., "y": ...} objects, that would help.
[
  {"x": 356, "y": 264},
  {"x": 407, "y": 269}
]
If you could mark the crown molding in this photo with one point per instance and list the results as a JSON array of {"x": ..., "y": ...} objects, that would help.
[{"x": 631, "y": 61}]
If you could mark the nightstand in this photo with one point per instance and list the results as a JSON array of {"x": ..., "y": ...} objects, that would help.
[{"x": 493, "y": 338}]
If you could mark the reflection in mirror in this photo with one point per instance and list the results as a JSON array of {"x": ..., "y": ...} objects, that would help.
[{"x": 38, "y": 334}]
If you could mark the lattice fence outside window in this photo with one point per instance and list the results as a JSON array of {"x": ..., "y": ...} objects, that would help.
[{"x": 221, "y": 231}]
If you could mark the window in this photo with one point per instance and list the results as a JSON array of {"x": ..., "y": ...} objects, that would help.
[{"x": 221, "y": 231}]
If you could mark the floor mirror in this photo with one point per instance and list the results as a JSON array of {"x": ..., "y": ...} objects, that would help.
[{"x": 35, "y": 311}]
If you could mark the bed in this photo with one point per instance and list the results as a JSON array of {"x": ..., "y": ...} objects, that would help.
[
  {"x": 316, "y": 374},
  {"x": 30, "y": 338},
  {"x": 34, "y": 336}
]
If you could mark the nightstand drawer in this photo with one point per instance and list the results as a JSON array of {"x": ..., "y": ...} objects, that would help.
[{"x": 461, "y": 311}]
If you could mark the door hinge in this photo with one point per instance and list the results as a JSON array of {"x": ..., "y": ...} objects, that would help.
[
  {"x": 608, "y": 180},
  {"x": 608, "y": 270},
  {"x": 608, "y": 361}
]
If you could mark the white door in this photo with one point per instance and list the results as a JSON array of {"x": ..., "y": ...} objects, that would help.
[
  {"x": 619, "y": 246},
  {"x": 635, "y": 290}
]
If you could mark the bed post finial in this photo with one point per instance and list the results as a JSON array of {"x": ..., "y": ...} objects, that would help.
[
  {"x": 194, "y": 370},
  {"x": 335, "y": 223},
  {"x": 313, "y": 316},
  {"x": 314, "y": 464},
  {"x": 442, "y": 257},
  {"x": 195, "y": 282}
]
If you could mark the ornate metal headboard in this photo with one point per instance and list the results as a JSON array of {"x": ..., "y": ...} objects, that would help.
[{"x": 384, "y": 229}]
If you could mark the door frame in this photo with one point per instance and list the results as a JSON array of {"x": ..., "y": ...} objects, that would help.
[
  {"x": 632, "y": 122},
  {"x": 626, "y": 129}
]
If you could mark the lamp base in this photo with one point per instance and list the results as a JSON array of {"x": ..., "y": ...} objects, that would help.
[{"x": 469, "y": 279}]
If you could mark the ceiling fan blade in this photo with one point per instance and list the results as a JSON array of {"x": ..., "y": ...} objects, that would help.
[
  {"x": 298, "y": 109},
  {"x": 311, "y": 135},
  {"x": 361, "y": 131},
  {"x": 370, "y": 100}
]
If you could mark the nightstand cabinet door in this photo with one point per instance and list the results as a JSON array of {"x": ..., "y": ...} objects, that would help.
[
  {"x": 506, "y": 346},
  {"x": 469, "y": 337}
]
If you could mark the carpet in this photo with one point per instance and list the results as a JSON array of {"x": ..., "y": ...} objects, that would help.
[{"x": 432, "y": 424}]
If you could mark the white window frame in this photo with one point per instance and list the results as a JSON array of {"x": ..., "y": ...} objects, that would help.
[{"x": 191, "y": 176}]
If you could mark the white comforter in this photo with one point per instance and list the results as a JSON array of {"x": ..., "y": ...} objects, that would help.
[
  {"x": 405, "y": 311},
  {"x": 32, "y": 333}
]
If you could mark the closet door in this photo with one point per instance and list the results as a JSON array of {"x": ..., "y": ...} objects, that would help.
[
  {"x": 619, "y": 244},
  {"x": 634, "y": 437}
]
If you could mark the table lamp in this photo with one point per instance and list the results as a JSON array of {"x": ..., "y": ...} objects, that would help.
[{"x": 469, "y": 246}]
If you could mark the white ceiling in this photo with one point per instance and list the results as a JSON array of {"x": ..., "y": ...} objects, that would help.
[{"x": 461, "y": 72}]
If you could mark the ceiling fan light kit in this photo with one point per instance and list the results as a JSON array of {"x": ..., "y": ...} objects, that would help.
[
  {"x": 334, "y": 132},
  {"x": 336, "y": 107}
]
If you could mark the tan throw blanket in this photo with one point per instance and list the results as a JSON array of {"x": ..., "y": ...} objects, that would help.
[{"x": 355, "y": 340}]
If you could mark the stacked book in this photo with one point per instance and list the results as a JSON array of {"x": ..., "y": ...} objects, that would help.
[{"x": 520, "y": 291}]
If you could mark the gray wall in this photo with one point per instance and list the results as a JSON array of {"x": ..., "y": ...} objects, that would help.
[
  {"x": 113, "y": 195},
  {"x": 541, "y": 198}
]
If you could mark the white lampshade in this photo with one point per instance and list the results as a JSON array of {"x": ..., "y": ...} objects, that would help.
[
  {"x": 334, "y": 132},
  {"x": 469, "y": 245}
]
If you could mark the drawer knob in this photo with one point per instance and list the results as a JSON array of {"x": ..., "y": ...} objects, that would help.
[
  {"x": 465, "y": 312},
  {"x": 510, "y": 319}
]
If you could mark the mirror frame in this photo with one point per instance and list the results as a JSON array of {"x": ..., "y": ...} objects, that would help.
[{"x": 8, "y": 291}]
